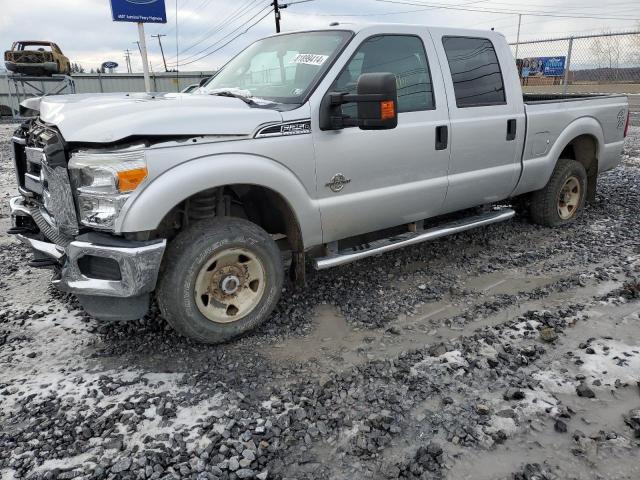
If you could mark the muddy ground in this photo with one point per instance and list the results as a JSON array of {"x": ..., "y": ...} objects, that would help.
[{"x": 508, "y": 352}]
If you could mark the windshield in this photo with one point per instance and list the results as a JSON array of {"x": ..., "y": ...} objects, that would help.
[{"x": 280, "y": 69}]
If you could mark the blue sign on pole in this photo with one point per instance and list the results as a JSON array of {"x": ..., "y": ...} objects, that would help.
[
  {"x": 553, "y": 66},
  {"x": 543, "y": 67},
  {"x": 139, "y": 11}
]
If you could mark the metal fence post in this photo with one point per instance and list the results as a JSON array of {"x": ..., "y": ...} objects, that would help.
[
  {"x": 567, "y": 67},
  {"x": 100, "y": 81}
]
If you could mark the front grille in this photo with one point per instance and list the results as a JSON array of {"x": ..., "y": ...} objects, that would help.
[
  {"x": 20, "y": 160},
  {"x": 41, "y": 171}
]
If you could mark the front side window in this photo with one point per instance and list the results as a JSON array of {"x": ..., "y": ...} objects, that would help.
[
  {"x": 281, "y": 69},
  {"x": 402, "y": 55},
  {"x": 475, "y": 71}
]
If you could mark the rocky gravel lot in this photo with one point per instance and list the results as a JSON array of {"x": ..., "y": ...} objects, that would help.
[{"x": 510, "y": 352}]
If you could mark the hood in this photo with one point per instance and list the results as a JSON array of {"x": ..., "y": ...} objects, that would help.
[{"x": 105, "y": 118}]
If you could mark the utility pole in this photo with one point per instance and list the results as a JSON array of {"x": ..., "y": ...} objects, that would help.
[
  {"x": 518, "y": 34},
  {"x": 159, "y": 37},
  {"x": 276, "y": 11},
  {"x": 281, "y": 6},
  {"x": 127, "y": 58}
]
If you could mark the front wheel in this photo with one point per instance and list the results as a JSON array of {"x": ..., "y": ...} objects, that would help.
[
  {"x": 563, "y": 198},
  {"x": 221, "y": 278}
]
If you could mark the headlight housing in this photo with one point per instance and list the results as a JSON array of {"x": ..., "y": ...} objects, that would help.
[{"x": 103, "y": 181}]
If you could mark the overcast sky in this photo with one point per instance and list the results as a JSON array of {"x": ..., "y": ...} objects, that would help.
[{"x": 85, "y": 32}]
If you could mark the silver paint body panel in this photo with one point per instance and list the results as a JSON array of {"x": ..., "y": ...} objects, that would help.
[{"x": 396, "y": 176}]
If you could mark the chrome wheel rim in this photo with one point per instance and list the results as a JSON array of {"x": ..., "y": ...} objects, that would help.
[
  {"x": 569, "y": 198},
  {"x": 230, "y": 285}
]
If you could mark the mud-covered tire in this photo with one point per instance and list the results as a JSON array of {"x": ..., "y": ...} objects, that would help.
[
  {"x": 194, "y": 254},
  {"x": 547, "y": 208}
]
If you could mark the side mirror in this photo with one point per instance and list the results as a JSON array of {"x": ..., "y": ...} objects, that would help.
[
  {"x": 203, "y": 81},
  {"x": 377, "y": 99}
]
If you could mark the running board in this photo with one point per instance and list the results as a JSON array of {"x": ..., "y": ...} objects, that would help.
[{"x": 412, "y": 238}]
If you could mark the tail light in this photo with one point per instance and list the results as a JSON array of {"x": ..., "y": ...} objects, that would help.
[{"x": 626, "y": 125}]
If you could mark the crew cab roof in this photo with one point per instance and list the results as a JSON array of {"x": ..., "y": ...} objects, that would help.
[{"x": 374, "y": 28}]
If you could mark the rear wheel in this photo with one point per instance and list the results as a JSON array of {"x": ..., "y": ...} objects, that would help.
[
  {"x": 563, "y": 198},
  {"x": 221, "y": 278}
]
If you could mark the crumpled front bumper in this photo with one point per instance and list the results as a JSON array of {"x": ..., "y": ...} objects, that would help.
[{"x": 95, "y": 264}]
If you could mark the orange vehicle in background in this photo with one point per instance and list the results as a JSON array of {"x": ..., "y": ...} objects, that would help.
[{"x": 36, "y": 57}]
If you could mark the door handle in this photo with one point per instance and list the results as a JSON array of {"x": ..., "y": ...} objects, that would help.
[
  {"x": 442, "y": 137},
  {"x": 512, "y": 126}
]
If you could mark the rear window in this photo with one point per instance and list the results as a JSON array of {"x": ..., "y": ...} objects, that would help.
[
  {"x": 475, "y": 71},
  {"x": 35, "y": 48}
]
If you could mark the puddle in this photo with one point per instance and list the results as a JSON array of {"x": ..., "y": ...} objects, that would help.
[
  {"x": 331, "y": 339},
  {"x": 334, "y": 345},
  {"x": 509, "y": 282},
  {"x": 537, "y": 442}
]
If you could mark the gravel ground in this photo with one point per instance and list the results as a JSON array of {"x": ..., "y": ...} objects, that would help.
[{"x": 510, "y": 352}]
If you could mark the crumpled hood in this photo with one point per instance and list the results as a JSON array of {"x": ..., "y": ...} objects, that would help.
[{"x": 104, "y": 118}]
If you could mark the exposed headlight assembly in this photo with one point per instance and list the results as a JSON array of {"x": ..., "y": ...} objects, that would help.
[{"x": 104, "y": 180}]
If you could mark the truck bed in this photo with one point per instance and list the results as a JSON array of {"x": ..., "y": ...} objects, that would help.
[{"x": 554, "y": 120}]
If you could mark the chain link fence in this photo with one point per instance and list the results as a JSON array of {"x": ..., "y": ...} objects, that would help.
[{"x": 609, "y": 62}]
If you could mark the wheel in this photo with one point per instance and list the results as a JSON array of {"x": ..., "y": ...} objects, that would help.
[
  {"x": 563, "y": 198},
  {"x": 220, "y": 278}
]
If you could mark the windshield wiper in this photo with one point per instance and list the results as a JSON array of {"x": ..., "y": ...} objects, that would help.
[{"x": 227, "y": 93}]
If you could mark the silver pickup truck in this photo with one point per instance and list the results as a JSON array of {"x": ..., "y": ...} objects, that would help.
[{"x": 318, "y": 147}]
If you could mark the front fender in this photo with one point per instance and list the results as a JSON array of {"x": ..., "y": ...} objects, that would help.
[{"x": 146, "y": 208}]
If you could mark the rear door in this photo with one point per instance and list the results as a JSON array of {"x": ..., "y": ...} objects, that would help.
[
  {"x": 487, "y": 119},
  {"x": 370, "y": 180}
]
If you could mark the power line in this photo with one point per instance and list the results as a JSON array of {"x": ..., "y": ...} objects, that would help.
[
  {"x": 505, "y": 11},
  {"x": 227, "y": 43},
  {"x": 382, "y": 14},
  {"x": 225, "y": 22},
  {"x": 277, "y": 7},
  {"x": 222, "y": 26},
  {"x": 239, "y": 27}
]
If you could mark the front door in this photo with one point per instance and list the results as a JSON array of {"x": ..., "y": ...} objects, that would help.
[{"x": 370, "y": 180}]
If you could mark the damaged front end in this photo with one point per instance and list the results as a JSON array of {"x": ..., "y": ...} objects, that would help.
[{"x": 95, "y": 266}]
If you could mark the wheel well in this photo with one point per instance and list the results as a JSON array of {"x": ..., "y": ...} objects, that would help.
[
  {"x": 260, "y": 205},
  {"x": 584, "y": 149}
]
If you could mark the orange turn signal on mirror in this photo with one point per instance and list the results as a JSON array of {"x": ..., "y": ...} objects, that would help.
[
  {"x": 387, "y": 110},
  {"x": 128, "y": 180}
]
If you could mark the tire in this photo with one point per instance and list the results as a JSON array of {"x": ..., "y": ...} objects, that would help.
[
  {"x": 562, "y": 200},
  {"x": 212, "y": 266}
]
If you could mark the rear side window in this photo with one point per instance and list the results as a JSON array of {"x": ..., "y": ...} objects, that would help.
[
  {"x": 475, "y": 70},
  {"x": 402, "y": 55}
]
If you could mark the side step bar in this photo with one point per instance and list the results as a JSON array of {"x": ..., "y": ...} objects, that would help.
[{"x": 412, "y": 238}]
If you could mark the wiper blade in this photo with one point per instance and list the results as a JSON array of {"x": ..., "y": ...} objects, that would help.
[{"x": 226, "y": 93}]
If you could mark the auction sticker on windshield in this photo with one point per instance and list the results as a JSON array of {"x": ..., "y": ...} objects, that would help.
[{"x": 310, "y": 59}]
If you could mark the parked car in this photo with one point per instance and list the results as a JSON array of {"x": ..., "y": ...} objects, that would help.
[
  {"x": 334, "y": 145},
  {"x": 36, "y": 57}
]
